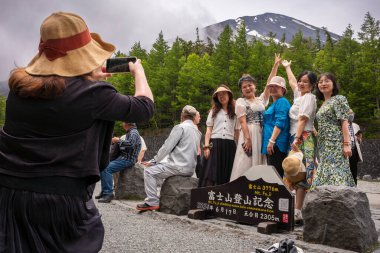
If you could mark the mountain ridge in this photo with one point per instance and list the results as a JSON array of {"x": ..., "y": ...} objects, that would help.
[{"x": 260, "y": 26}]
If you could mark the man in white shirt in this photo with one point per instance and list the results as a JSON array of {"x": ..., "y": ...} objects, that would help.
[{"x": 180, "y": 152}]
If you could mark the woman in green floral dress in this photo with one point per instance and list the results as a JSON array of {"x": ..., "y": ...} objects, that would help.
[{"x": 333, "y": 136}]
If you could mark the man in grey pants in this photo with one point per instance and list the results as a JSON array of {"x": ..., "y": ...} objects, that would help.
[{"x": 178, "y": 156}]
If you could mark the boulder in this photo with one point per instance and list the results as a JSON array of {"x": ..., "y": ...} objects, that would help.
[
  {"x": 339, "y": 216},
  {"x": 367, "y": 178},
  {"x": 131, "y": 183},
  {"x": 175, "y": 194}
]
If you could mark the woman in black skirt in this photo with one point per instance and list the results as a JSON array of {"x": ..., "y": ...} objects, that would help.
[
  {"x": 56, "y": 139},
  {"x": 220, "y": 147}
]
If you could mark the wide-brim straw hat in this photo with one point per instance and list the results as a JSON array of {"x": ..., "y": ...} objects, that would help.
[
  {"x": 278, "y": 81},
  {"x": 294, "y": 169},
  {"x": 219, "y": 89},
  {"x": 67, "y": 48}
]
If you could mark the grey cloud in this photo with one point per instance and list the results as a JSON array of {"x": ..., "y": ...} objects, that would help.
[{"x": 120, "y": 22}]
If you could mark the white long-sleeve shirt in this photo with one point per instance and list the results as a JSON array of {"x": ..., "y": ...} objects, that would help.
[{"x": 181, "y": 147}]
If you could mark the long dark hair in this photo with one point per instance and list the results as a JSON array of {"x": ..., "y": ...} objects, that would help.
[
  {"x": 217, "y": 106},
  {"x": 335, "y": 90}
]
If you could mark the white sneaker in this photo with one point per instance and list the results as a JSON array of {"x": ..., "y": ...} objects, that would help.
[{"x": 298, "y": 220}]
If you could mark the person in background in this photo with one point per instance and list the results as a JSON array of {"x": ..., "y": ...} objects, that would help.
[
  {"x": 142, "y": 151},
  {"x": 56, "y": 139},
  {"x": 334, "y": 144},
  {"x": 180, "y": 153},
  {"x": 302, "y": 114},
  {"x": 276, "y": 122},
  {"x": 199, "y": 166},
  {"x": 220, "y": 147},
  {"x": 130, "y": 146},
  {"x": 356, "y": 141}
]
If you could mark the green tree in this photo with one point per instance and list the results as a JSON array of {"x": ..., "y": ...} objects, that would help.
[
  {"x": 222, "y": 57},
  {"x": 195, "y": 83},
  {"x": 158, "y": 80},
  {"x": 174, "y": 60},
  {"x": 2, "y": 110},
  {"x": 346, "y": 53},
  {"x": 325, "y": 59},
  {"x": 198, "y": 45},
  {"x": 209, "y": 48},
  {"x": 300, "y": 53},
  {"x": 258, "y": 66},
  {"x": 370, "y": 37},
  {"x": 240, "y": 54}
]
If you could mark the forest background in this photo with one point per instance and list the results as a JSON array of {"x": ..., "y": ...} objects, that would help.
[{"x": 187, "y": 72}]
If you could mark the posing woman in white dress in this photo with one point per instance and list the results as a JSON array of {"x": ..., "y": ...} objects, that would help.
[{"x": 249, "y": 112}]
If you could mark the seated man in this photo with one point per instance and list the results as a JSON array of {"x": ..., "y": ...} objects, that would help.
[
  {"x": 129, "y": 150},
  {"x": 180, "y": 150}
]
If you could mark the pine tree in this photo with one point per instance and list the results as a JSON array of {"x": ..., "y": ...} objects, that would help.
[
  {"x": 369, "y": 59},
  {"x": 158, "y": 79},
  {"x": 138, "y": 51},
  {"x": 258, "y": 67},
  {"x": 240, "y": 55},
  {"x": 195, "y": 83},
  {"x": 209, "y": 49},
  {"x": 300, "y": 53},
  {"x": 198, "y": 45},
  {"x": 174, "y": 60},
  {"x": 325, "y": 60},
  {"x": 346, "y": 53},
  {"x": 222, "y": 57}
]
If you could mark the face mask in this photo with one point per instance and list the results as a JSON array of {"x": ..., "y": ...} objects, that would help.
[{"x": 351, "y": 117}]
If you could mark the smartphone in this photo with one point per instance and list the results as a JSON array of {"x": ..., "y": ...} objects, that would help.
[{"x": 119, "y": 65}]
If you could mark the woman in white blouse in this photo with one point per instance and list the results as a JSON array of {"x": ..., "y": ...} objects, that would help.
[
  {"x": 249, "y": 111},
  {"x": 302, "y": 114},
  {"x": 219, "y": 148}
]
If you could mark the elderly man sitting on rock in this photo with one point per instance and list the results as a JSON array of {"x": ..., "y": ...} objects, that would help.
[{"x": 180, "y": 152}]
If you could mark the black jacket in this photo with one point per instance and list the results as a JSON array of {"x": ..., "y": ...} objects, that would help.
[{"x": 68, "y": 136}]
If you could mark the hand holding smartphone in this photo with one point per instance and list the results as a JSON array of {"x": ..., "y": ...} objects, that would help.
[{"x": 120, "y": 64}]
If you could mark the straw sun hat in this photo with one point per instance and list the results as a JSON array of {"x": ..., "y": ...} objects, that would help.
[
  {"x": 294, "y": 169},
  {"x": 67, "y": 48},
  {"x": 219, "y": 89}
]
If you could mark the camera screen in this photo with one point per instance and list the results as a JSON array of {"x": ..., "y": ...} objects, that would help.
[{"x": 119, "y": 65}]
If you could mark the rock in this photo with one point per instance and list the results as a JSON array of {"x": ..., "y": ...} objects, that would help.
[
  {"x": 267, "y": 227},
  {"x": 339, "y": 216},
  {"x": 367, "y": 178},
  {"x": 175, "y": 194},
  {"x": 131, "y": 183},
  {"x": 197, "y": 214}
]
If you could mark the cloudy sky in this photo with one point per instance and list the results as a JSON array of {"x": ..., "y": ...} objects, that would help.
[{"x": 123, "y": 22}]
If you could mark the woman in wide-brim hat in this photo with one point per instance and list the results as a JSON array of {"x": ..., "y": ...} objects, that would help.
[
  {"x": 219, "y": 148},
  {"x": 56, "y": 139}
]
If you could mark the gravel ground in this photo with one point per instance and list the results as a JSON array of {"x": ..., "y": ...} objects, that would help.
[{"x": 127, "y": 230}]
